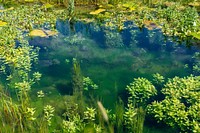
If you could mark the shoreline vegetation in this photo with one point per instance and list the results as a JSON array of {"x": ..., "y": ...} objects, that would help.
[{"x": 81, "y": 112}]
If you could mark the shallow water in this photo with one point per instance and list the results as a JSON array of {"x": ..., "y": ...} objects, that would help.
[{"x": 111, "y": 58}]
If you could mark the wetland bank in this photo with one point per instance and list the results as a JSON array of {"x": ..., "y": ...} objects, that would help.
[{"x": 113, "y": 67}]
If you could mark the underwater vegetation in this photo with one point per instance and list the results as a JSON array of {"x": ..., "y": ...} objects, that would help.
[{"x": 172, "y": 102}]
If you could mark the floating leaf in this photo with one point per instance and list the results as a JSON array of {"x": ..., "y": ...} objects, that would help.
[
  {"x": 196, "y": 35},
  {"x": 168, "y": 4},
  {"x": 47, "y": 6},
  {"x": 39, "y": 33},
  {"x": 2, "y": 23},
  {"x": 11, "y": 8},
  {"x": 132, "y": 8},
  {"x": 110, "y": 6},
  {"x": 29, "y": 0},
  {"x": 87, "y": 20},
  {"x": 43, "y": 33},
  {"x": 126, "y": 5},
  {"x": 97, "y": 11}
]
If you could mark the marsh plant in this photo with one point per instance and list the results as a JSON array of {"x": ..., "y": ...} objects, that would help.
[
  {"x": 77, "y": 82},
  {"x": 118, "y": 116},
  {"x": 71, "y": 8}
]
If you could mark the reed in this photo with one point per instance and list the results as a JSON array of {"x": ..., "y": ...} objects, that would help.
[
  {"x": 119, "y": 115},
  {"x": 10, "y": 115}
]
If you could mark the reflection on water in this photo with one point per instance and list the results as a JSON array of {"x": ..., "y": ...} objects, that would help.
[{"x": 109, "y": 57}]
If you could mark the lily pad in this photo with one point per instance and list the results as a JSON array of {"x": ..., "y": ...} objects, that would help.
[
  {"x": 2, "y": 23},
  {"x": 42, "y": 33},
  {"x": 39, "y": 33},
  {"x": 97, "y": 11},
  {"x": 196, "y": 35}
]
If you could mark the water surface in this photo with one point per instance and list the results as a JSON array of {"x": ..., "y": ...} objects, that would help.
[{"x": 111, "y": 58}]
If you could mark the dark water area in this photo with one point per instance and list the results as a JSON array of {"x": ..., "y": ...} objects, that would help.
[{"x": 111, "y": 58}]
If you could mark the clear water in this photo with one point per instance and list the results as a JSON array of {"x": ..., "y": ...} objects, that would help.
[{"x": 111, "y": 58}]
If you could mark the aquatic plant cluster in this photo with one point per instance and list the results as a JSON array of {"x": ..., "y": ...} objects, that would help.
[
  {"x": 179, "y": 108},
  {"x": 175, "y": 20}
]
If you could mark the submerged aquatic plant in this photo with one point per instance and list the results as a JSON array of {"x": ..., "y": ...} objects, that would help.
[
  {"x": 110, "y": 36},
  {"x": 17, "y": 60},
  {"x": 180, "y": 107},
  {"x": 77, "y": 80},
  {"x": 89, "y": 84},
  {"x": 140, "y": 91},
  {"x": 69, "y": 126},
  {"x": 196, "y": 64},
  {"x": 40, "y": 94},
  {"x": 73, "y": 125},
  {"x": 130, "y": 117},
  {"x": 158, "y": 79},
  {"x": 89, "y": 114},
  {"x": 48, "y": 113},
  {"x": 30, "y": 114}
]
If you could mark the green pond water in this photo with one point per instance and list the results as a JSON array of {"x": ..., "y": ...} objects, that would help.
[{"x": 111, "y": 58}]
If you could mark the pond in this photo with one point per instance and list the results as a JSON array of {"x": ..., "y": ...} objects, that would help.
[
  {"x": 108, "y": 55},
  {"x": 111, "y": 58}
]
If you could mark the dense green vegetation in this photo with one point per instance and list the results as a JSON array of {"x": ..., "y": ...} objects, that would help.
[{"x": 179, "y": 108}]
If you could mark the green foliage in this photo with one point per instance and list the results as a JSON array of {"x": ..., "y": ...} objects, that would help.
[
  {"x": 30, "y": 114},
  {"x": 196, "y": 64},
  {"x": 141, "y": 90},
  {"x": 10, "y": 114},
  {"x": 77, "y": 79},
  {"x": 110, "y": 36},
  {"x": 89, "y": 84},
  {"x": 71, "y": 8},
  {"x": 73, "y": 125},
  {"x": 134, "y": 118},
  {"x": 40, "y": 94},
  {"x": 130, "y": 117},
  {"x": 119, "y": 116},
  {"x": 48, "y": 113},
  {"x": 89, "y": 114},
  {"x": 180, "y": 108},
  {"x": 158, "y": 79},
  {"x": 196, "y": 34},
  {"x": 69, "y": 127}
]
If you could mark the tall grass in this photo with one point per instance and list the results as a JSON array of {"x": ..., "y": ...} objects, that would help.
[{"x": 10, "y": 115}]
